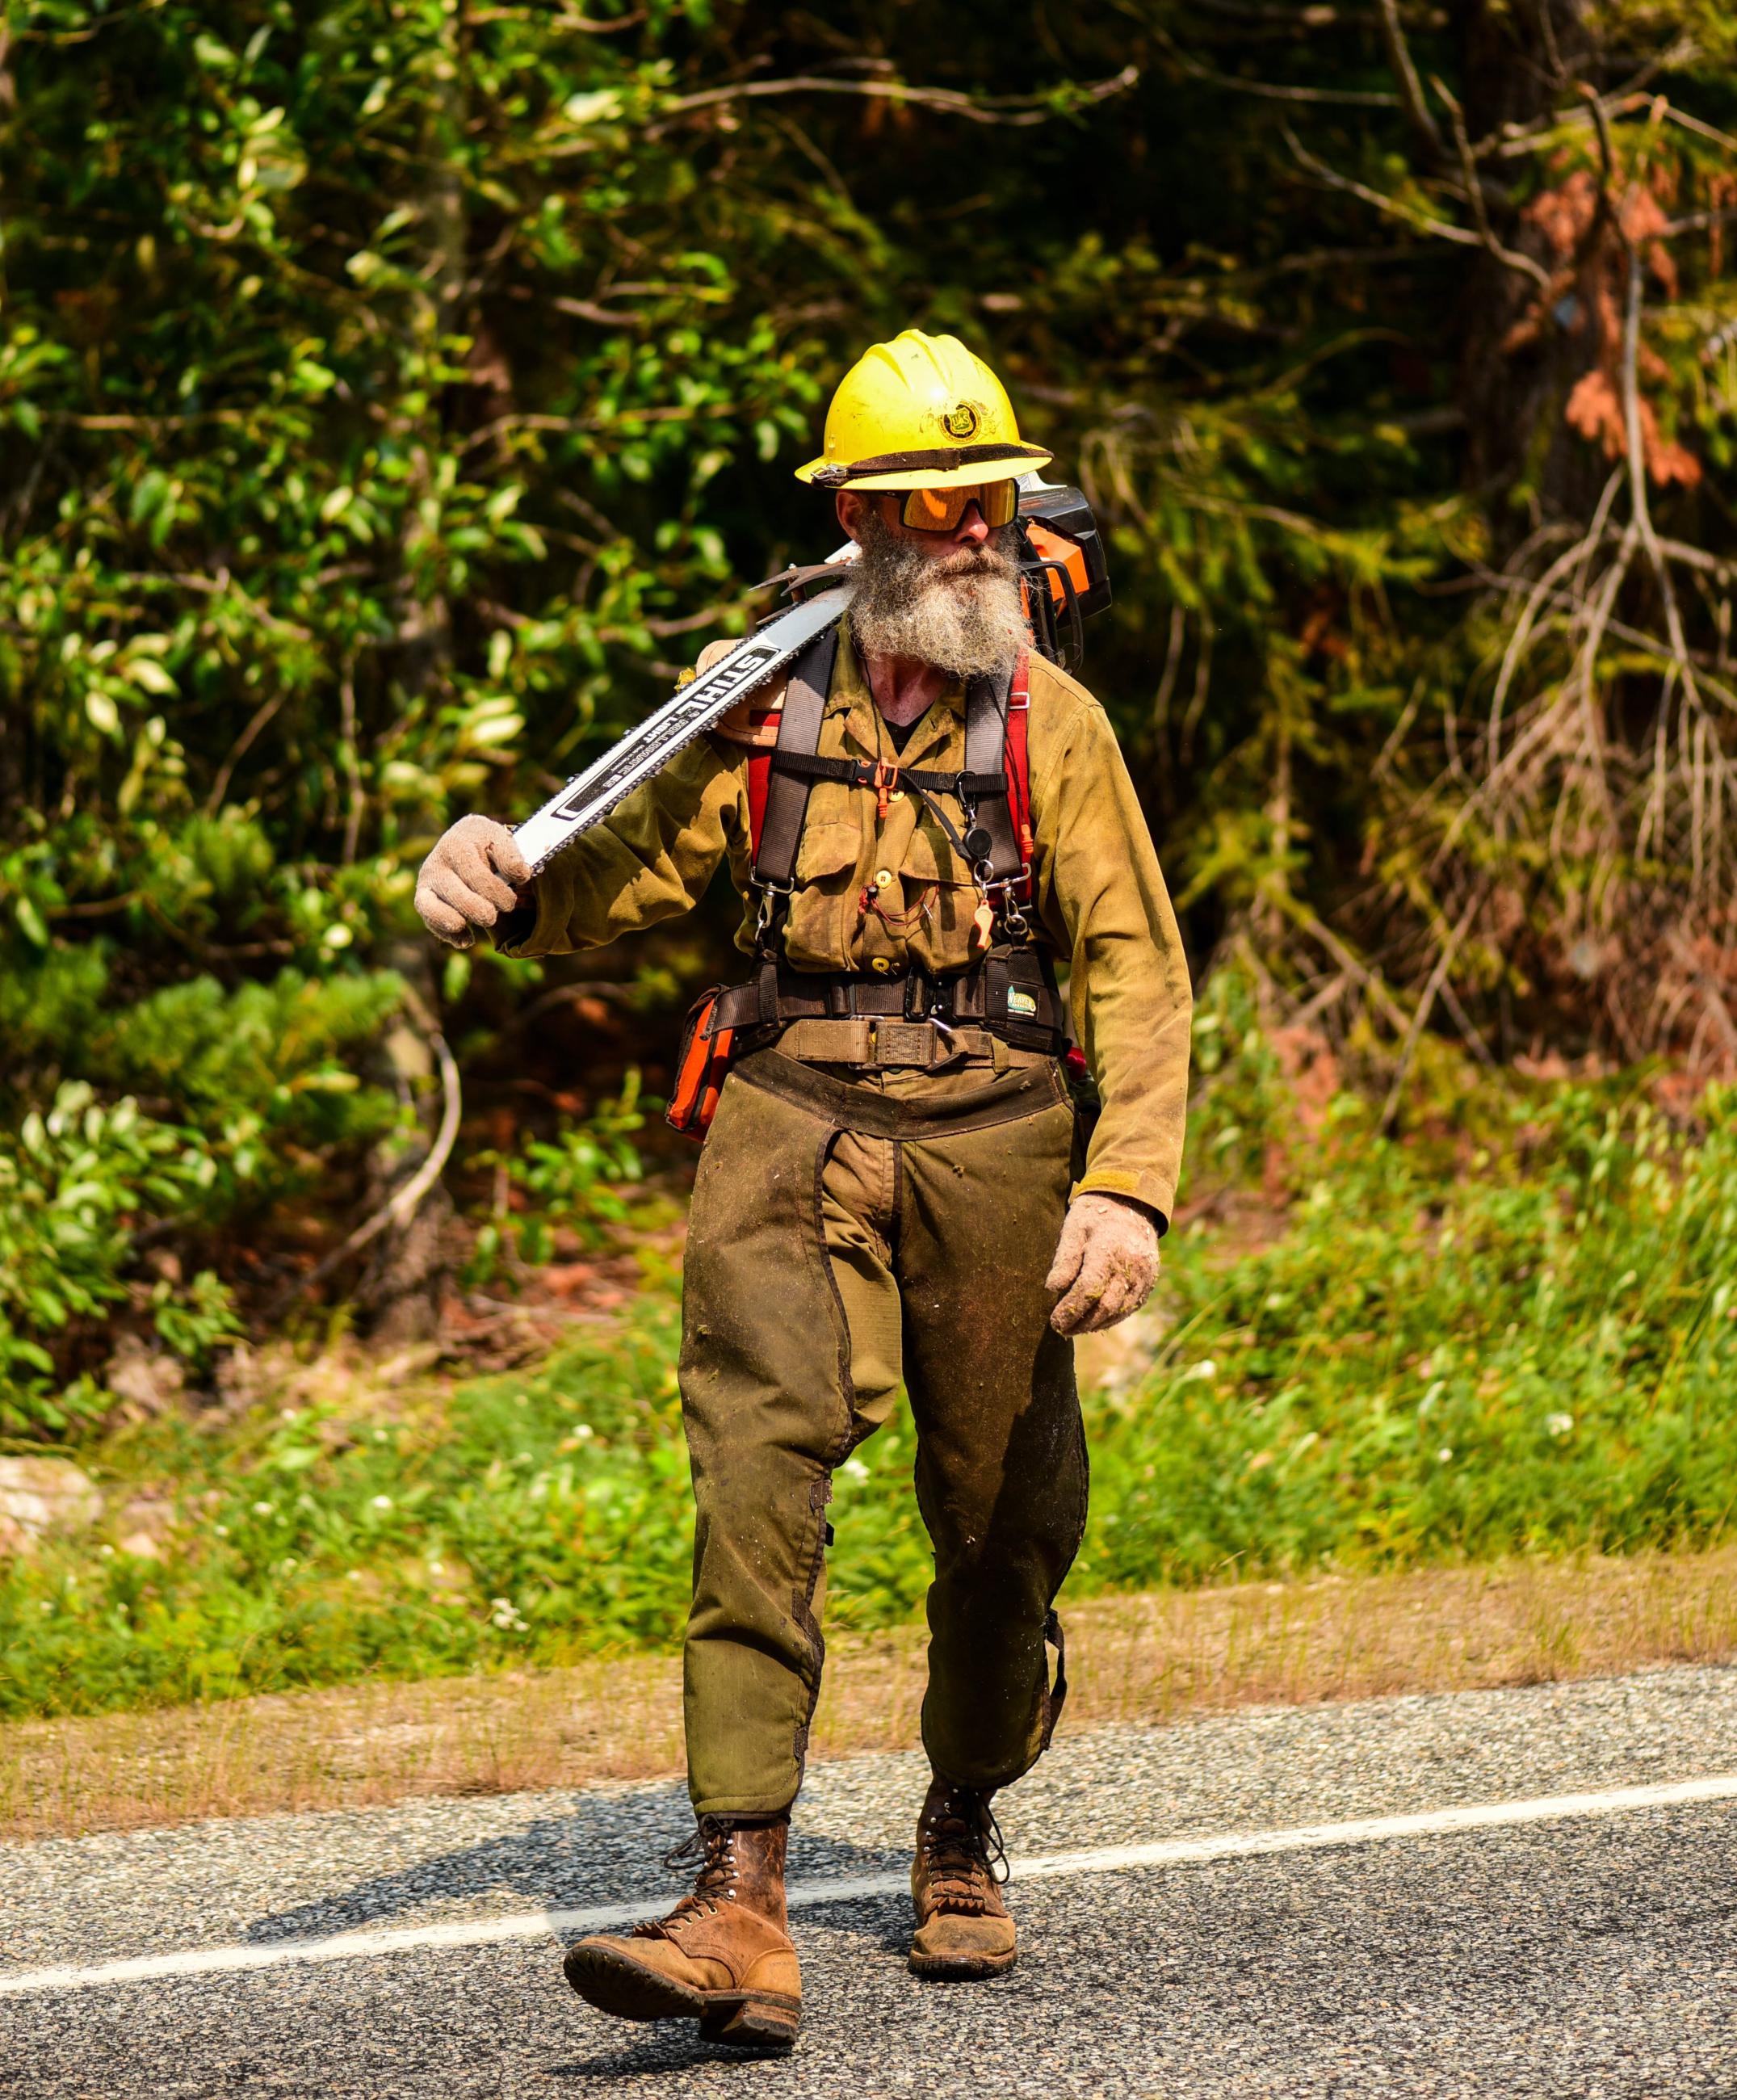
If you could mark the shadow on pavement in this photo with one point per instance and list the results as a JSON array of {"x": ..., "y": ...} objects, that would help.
[{"x": 609, "y": 1848}]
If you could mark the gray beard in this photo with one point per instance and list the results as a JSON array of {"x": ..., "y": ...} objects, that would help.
[{"x": 961, "y": 613}]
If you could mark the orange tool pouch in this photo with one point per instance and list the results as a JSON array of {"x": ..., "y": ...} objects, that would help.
[{"x": 702, "y": 1066}]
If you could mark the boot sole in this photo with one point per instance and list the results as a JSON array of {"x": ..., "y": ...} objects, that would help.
[
  {"x": 961, "y": 1968},
  {"x": 753, "y": 2019}
]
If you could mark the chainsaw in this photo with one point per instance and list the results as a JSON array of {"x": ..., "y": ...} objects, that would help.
[{"x": 1064, "y": 575}]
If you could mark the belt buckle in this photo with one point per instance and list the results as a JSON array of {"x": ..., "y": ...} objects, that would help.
[{"x": 904, "y": 1043}]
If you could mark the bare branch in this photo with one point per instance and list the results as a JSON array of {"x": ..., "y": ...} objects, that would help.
[
  {"x": 1021, "y": 112},
  {"x": 238, "y": 751},
  {"x": 1672, "y": 115},
  {"x": 405, "y": 1203},
  {"x": 1273, "y": 91},
  {"x": 1642, "y": 508},
  {"x": 1443, "y": 229},
  {"x": 1450, "y": 948},
  {"x": 1510, "y": 257},
  {"x": 1411, "y": 88},
  {"x": 583, "y": 25},
  {"x": 1517, "y": 139}
]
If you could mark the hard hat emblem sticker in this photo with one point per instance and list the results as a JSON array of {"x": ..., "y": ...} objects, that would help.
[{"x": 960, "y": 422}]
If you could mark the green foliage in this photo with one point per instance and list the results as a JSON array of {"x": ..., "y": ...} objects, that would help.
[
  {"x": 391, "y": 399},
  {"x": 1532, "y": 1356},
  {"x": 74, "y": 1185},
  {"x": 572, "y": 1183}
]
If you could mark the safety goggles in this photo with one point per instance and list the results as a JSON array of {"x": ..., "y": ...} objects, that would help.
[{"x": 940, "y": 509}]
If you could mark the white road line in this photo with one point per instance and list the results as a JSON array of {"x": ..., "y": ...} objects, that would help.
[{"x": 1098, "y": 1859}]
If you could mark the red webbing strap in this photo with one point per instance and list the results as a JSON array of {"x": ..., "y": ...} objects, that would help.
[
  {"x": 1016, "y": 758},
  {"x": 759, "y": 777}
]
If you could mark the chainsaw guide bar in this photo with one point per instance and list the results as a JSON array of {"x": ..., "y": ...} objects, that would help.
[{"x": 589, "y": 797}]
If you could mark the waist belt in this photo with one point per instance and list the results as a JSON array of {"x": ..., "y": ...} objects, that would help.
[
  {"x": 1012, "y": 993},
  {"x": 920, "y": 1045}
]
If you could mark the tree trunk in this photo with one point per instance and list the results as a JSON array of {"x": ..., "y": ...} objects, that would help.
[
  {"x": 401, "y": 1293},
  {"x": 1524, "y": 349}
]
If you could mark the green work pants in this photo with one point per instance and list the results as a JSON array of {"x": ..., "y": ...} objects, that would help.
[{"x": 846, "y": 1231}]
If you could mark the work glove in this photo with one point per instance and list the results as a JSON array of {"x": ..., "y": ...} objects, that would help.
[
  {"x": 469, "y": 879},
  {"x": 1106, "y": 1263}
]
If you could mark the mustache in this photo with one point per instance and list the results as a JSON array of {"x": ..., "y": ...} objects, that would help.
[
  {"x": 918, "y": 572},
  {"x": 987, "y": 560}
]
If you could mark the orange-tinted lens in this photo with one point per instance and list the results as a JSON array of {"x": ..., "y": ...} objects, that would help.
[
  {"x": 940, "y": 510},
  {"x": 934, "y": 509}
]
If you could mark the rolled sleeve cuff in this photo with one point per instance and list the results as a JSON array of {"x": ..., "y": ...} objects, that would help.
[
  {"x": 1158, "y": 1195},
  {"x": 538, "y": 926}
]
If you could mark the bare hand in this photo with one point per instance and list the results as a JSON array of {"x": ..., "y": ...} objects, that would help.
[
  {"x": 469, "y": 880},
  {"x": 1106, "y": 1263}
]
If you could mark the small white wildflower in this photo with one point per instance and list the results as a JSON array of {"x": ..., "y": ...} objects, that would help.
[
  {"x": 504, "y": 1614},
  {"x": 289, "y": 1564},
  {"x": 855, "y": 1469},
  {"x": 106, "y": 1552},
  {"x": 1559, "y": 1425},
  {"x": 1444, "y": 1454},
  {"x": 263, "y": 1508},
  {"x": 380, "y": 1503},
  {"x": 352, "y": 1574},
  {"x": 584, "y": 1432},
  {"x": 437, "y": 1568},
  {"x": 45, "y": 1607},
  {"x": 290, "y": 1414},
  {"x": 221, "y": 1529},
  {"x": 379, "y": 1437}
]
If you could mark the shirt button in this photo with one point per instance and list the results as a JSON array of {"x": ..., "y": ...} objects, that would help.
[
  {"x": 879, "y": 963},
  {"x": 884, "y": 878}
]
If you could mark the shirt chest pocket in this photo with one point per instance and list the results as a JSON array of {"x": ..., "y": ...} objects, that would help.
[
  {"x": 931, "y": 857},
  {"x": 826, "y": 882},
  {"x": 937, "y": 884}
]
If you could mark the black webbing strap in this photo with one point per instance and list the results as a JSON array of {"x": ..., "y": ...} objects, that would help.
[
  {"x": 986, "y": 753},
  {"x": 799, "y": 733},
  {"x": 1013, "y": 993},
  {"x": 867, "y": 773}
]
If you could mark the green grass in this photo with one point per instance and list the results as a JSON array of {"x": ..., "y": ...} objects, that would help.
[{"x": 1446, "y": 1353}]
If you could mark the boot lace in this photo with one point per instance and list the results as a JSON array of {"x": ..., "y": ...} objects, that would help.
[
  {"x": 711, "y": 1845},
  {"x": 962, "y": 1850}
]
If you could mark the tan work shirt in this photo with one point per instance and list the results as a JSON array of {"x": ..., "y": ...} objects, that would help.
[{"x": 883, "y": 895}]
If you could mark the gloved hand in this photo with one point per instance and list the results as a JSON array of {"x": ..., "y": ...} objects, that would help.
[
  {"x": 1106, "y": 1263},
  {"x": 468, "y": 880}
]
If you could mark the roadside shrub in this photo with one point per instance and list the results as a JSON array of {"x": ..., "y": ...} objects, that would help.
[
  {"x": 572, "y": 1182},
  {"x": 75, "y": 1186}
]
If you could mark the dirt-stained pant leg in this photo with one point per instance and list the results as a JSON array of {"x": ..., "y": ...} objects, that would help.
[
  {"x": 819, "y": 1257},
  {"x": 766, "y": 1397},
  {"x": 1001, "y": 1464}
]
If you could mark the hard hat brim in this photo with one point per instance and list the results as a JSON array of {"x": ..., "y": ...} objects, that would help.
[{"x": 1012, "y": 462}]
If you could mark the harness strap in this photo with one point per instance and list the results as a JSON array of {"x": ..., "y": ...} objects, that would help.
[
  {"x": 870, "y": 773},
  {"x": 986, "y": 717},
  {"x": 777, "y": 824},
  {"x": 1013, "y": 993}
]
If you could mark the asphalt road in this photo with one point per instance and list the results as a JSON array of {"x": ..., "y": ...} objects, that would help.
[{"x": 1514, "y": 1894}]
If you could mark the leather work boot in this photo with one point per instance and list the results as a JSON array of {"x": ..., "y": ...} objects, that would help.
[
  {"x": 963, "y": 1931},
  {"x": 722, "y": 1956}
]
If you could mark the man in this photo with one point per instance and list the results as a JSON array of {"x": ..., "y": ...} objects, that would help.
[{"x": 885, "y": 1190}]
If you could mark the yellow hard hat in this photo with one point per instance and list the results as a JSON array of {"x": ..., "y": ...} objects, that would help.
[{"x": 920, "y": 412}]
